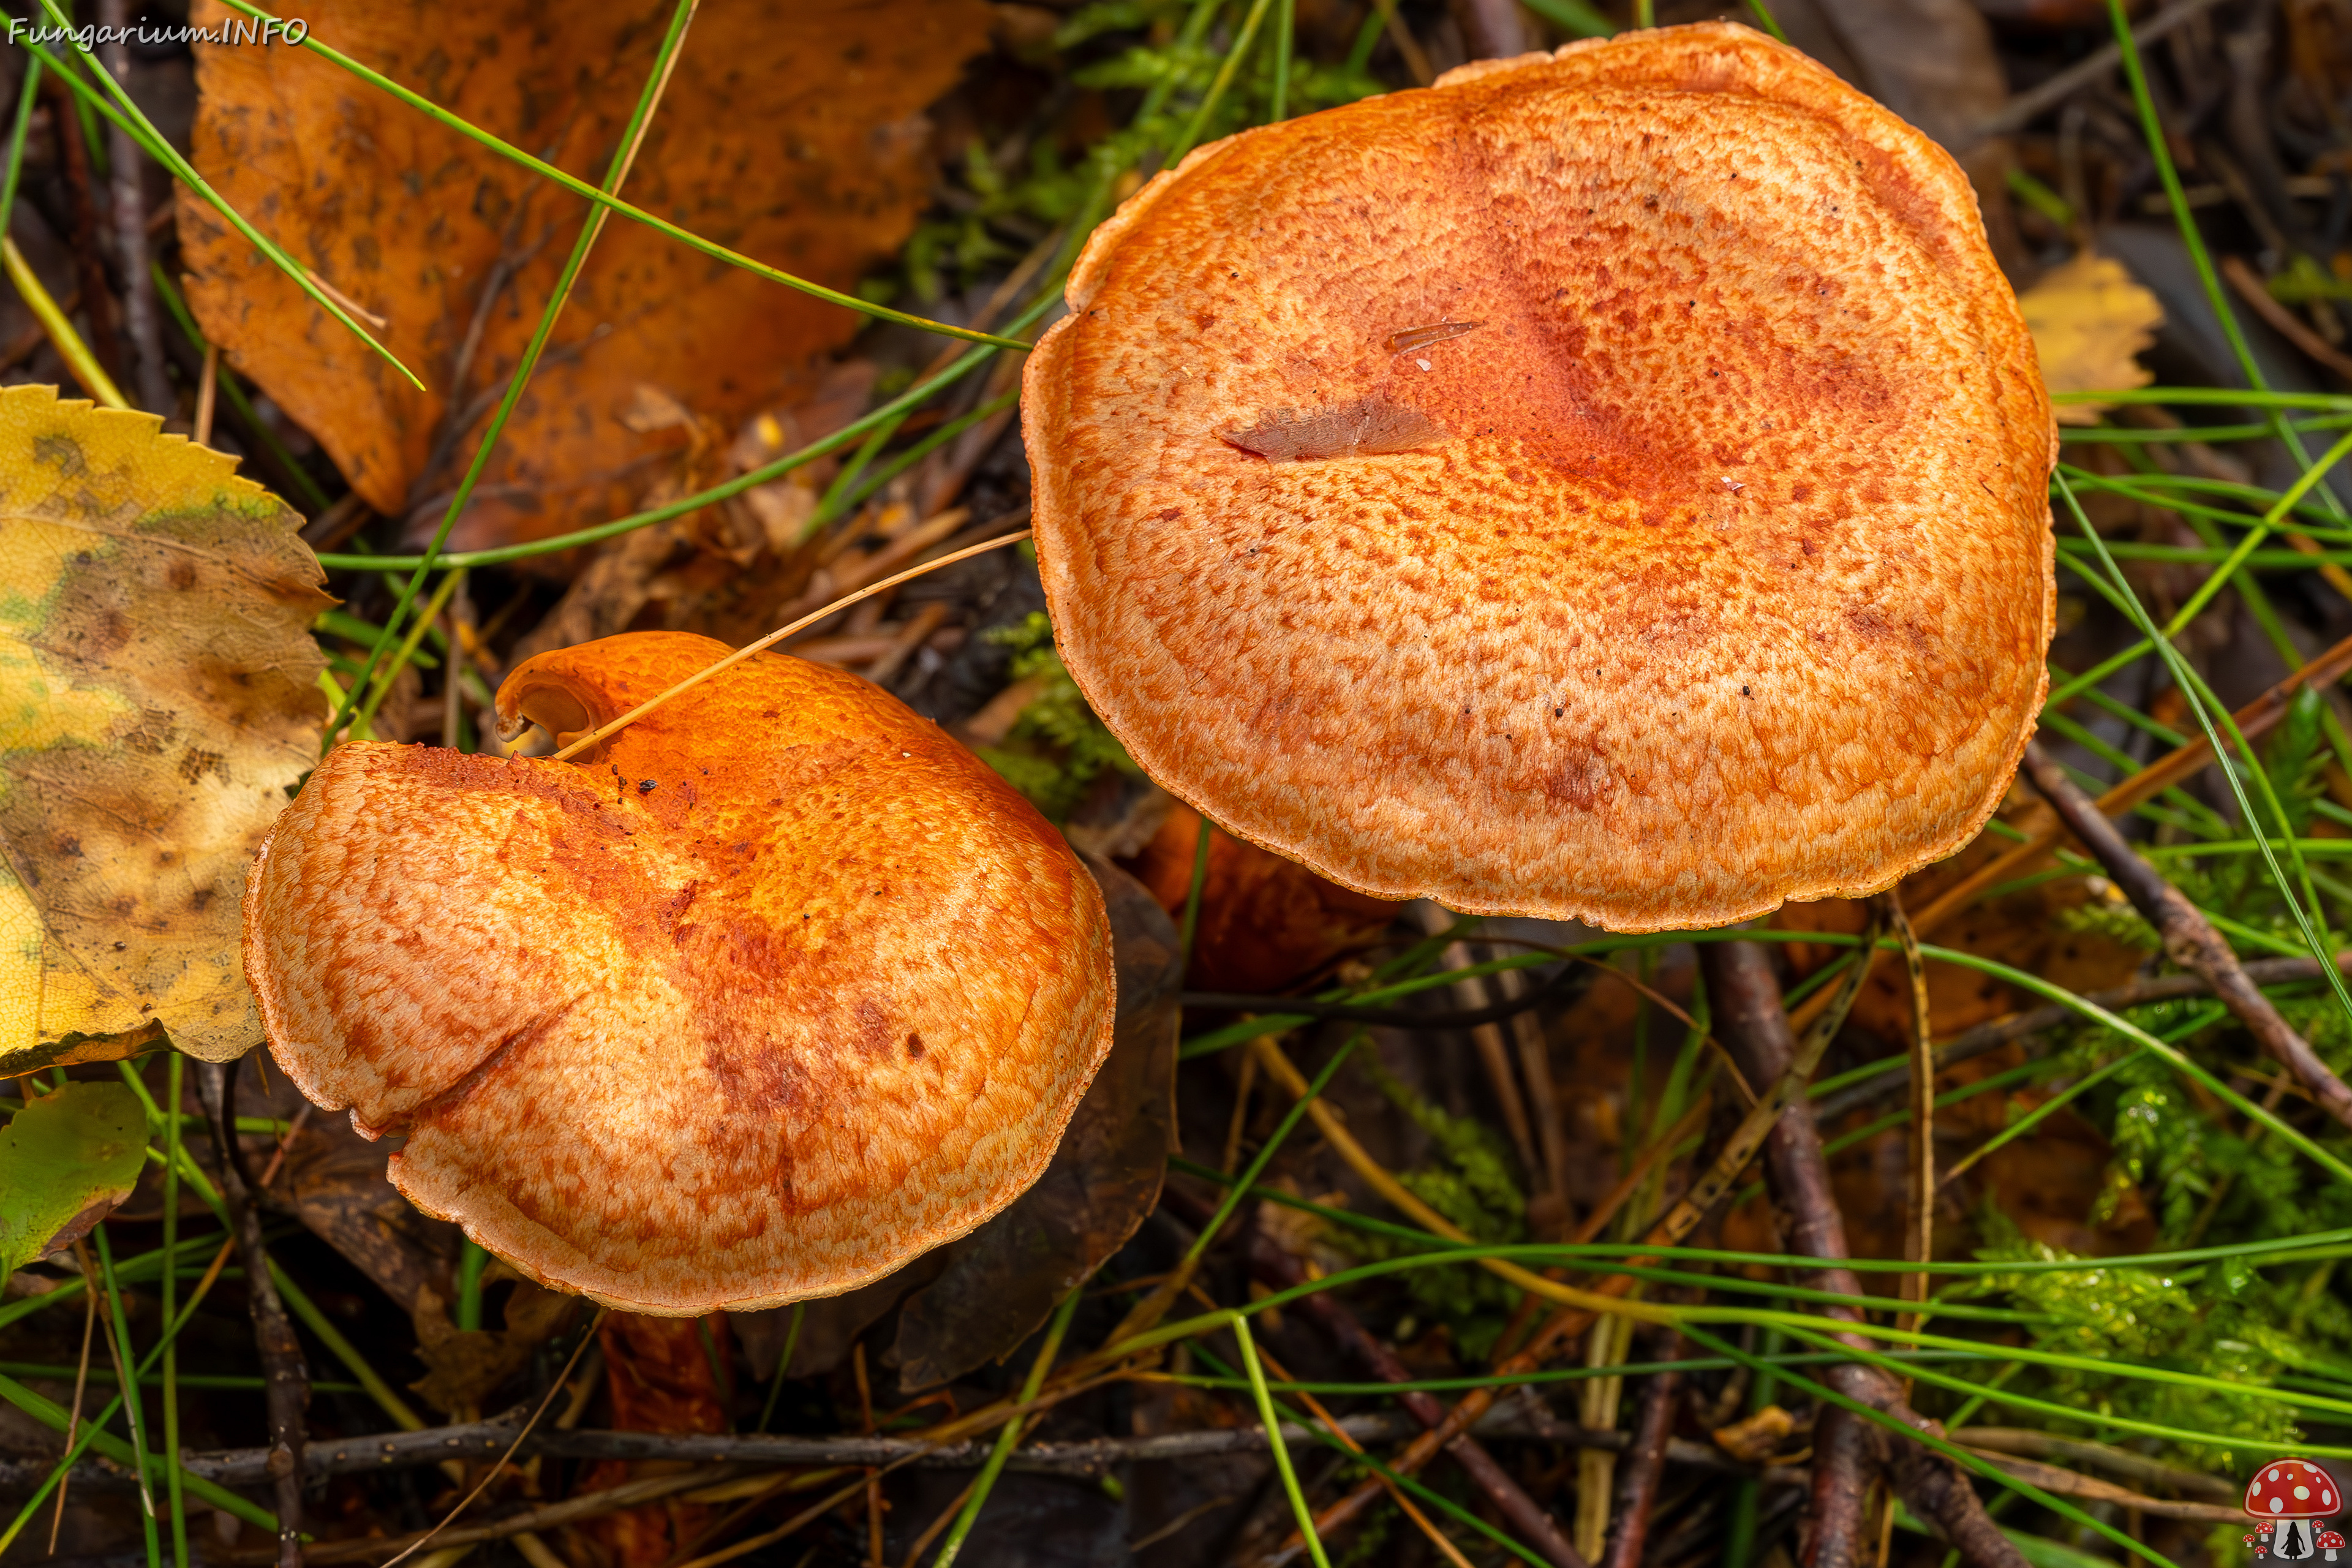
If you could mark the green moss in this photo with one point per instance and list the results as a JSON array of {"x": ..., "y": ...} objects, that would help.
[
  {"x": 2225, "y": 1321},
  {"x": 1057, "y": 748},
  {"x": 1469, "y": 1180},
  {"x": 1004, "y": 207}
]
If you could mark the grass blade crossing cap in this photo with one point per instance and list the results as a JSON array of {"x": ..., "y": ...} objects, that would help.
[
  {"x": 772, "y": 991},
  {"x": 1608, "y": 485}
]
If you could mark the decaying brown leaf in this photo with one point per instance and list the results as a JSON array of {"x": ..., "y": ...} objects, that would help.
[
  {"x": 1753, "y": 1441},
  {"x": 336, "y": 1181},
  {"x": 156, "y": 705},
  {"x": 790, "y": 131},
  {"x": 1001, "y": 1281},
  {"x": 974, "y": 1300},
  {"x": 2090, "y": 322},
  {"x": 465, "y": 1366}
]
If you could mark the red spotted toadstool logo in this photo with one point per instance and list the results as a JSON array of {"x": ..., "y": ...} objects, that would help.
[{"x": 2289, "y": 1497}]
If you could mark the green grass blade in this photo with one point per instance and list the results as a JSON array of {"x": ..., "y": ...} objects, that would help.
[
  {"x": 1224, "y": 79},
  {"x": 897, "y": 407},
  {"x": 2212, "y": 717},
  {"x": 174, "y": 1489},
  {"x": 1266, "y": 1414},
  {"x": 615, "y": 174},
  {"x": 1010, "y": 1433},
  {"x": 133, "y": 1404},
  {"x": 16, "y": 141},
  {"x": 153, "y": 142},
  {"x": 607, "y": 202}
]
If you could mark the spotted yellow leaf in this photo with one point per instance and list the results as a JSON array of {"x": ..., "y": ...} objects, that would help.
[
  {"x": 2090, "y": 324},
  {"x": 156, "y": 704}
]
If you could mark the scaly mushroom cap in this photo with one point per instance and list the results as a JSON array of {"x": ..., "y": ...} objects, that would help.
[
  {"x": 2291, "y": 1489},
  {"x": 1609, "y": 485},
  {"x": 772, "y": 991}
]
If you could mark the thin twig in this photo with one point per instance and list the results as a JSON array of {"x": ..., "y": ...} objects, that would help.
[
  {"x": 1986, "y": 1037},
  {"x": 2190, "y": 939},
  {"x": 141, "y": 318},
  {"x": 2067, "y": 1483},
  {"x": 571, "y": 1511},
  {"x": 2025, "y": 107},
  {"x": 89, "y": 248},
  {"x": 1278, "y": 1270},
  {"x": 2255, "y": 721},
  {"x": 2026, "y": 1443},
  {"x": 1544, "y": 1107},
  {"x": 1645, "y": 1460},
  {"x": 2250, "y": 288},
  {"x": 1747, "y": 1002},
  {"x": 1579, "y": 1308},
  {"x": 207, "y": 395},
  {"x": 82, "y": 1383},
  {"x": 1487, "y": 1038},
  {"x": 458, "y": 1537},
  {"x": 1411, "y": 1510},
  {"x": 273, "y": 1335},
  {"x": 487, "y": 1441},
  {"x": 1919, "y": 1231}
]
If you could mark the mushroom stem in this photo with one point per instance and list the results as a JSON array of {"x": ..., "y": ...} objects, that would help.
[
  {"x": 289, "y": 1391},
  {"x": 1753, "y": 1022},
  {"x": 2190, "y": 939}
]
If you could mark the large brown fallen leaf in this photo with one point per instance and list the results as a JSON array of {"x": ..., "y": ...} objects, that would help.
[
  {"x": 2090, "y": 322},
  {"x": 156, "y": 704},
  {"x": 790, "y": 132}
]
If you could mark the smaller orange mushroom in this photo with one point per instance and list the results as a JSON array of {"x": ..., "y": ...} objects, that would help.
[{"x": 768, "y": 993}]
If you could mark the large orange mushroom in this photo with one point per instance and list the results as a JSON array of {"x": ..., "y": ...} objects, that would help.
[
  {"x": 1607, "y": 485},
  {"x": 771, "y": 990}
]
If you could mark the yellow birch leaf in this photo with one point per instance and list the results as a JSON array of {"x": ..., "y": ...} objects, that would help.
[
  {"x": 2090, "y": 324},
  {"x": 20, "y": 967},
  {"x": 156, "y": 705}
]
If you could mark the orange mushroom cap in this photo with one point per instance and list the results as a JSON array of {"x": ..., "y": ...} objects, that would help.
[
  {"x": 1609, "y": 485},
  {"x": 773, "y": 991},
  {"x": 2291, "y": 1489}
]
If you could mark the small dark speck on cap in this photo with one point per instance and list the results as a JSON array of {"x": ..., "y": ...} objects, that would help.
[
  {"x": 648, "y": 787},
  {"x": 1743, "y": 691}
]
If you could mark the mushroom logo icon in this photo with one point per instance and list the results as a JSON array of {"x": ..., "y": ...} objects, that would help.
[{"x": 2289, "y": 1496}]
